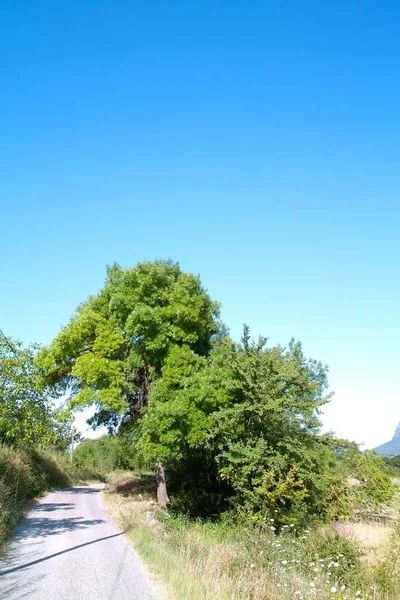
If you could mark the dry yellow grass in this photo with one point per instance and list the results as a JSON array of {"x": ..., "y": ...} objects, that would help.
[{"x": 372, "y": 538}]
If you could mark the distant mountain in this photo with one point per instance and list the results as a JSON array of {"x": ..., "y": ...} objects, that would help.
[{"x": 391, "y": 448}]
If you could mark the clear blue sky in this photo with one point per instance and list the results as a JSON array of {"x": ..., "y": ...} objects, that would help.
[{"x": 257, "y": 143}]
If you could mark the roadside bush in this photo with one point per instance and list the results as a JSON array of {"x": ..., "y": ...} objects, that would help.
[
  {"x": 364, "y": 486},
  {"x": 107, "y": 453},
  {"x": 392, "y": 465},
  {"x": 100, "y": 454}
]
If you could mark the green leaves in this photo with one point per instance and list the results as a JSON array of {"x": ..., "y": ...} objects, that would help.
[
  {"x": 118, "y": 341},
  {"x": 27, "y": 416},
  {"x": 266, "y": 439}
]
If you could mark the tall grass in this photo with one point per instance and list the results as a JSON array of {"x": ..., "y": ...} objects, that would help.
[
  {"x": 231, "y": 561},
  {"x": 25, "y": 474}
]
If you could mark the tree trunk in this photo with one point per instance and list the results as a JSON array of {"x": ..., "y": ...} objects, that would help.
[{"x": 162, "y": 495}]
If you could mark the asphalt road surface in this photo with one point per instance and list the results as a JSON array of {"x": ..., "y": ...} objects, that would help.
[{"x": 67, "y": 549}]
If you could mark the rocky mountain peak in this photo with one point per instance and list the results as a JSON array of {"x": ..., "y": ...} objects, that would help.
[{"x": 391, "y": 448}]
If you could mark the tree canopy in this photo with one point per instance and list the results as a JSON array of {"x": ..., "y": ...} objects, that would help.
[
  {"x": 27, "y": 415},
  {"x": 117, "y": 342}
]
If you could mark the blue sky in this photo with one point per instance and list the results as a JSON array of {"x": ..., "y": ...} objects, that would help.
[{"x": 258, "y": 144}]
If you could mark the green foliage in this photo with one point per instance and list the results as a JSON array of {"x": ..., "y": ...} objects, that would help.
[
  {"x": 27, "y": 416},
  {"x": 329, "y": 552},
  {"x": 105, "y": 454},
  {"x": 100, "y": 454},
  {"x": 388, "y": 572},
  {"x": 226, "y": 559},
  {"x": 266, "y": 440},
  {"x": 364, "y": 484},
  {"x": 393, "y": 465},
  {"x": 118, "y": 341},
  {"x": 245, "y": 422},
  {"x": 234, "y": 424}
]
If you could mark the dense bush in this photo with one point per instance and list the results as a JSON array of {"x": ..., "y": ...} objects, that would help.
[
  {"x": 393, "y": 465},
  {"x": 362, "y": 486},
  {"x": 100, "y": 454},
  {"x": 107, "y": 453}
]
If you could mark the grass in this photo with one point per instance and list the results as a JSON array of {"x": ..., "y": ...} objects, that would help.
[
  {"x": 25, "y": 475},
  {"x": 227, "y": 561}
]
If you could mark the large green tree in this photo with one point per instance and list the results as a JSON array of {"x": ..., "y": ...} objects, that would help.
[{"x": 115, "y": 345}]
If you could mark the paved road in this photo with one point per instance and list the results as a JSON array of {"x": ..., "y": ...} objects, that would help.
[{"x": 67, "y": 549}]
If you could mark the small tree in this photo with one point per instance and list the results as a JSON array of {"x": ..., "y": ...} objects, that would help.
[{"x": 27, "y": 415}]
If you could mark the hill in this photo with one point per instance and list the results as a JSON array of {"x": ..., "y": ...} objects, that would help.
[{"x": 391, "y": 448}]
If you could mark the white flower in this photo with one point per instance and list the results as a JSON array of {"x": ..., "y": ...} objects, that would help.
[
  {"x": 358, "y": 592},
  {"x": 342, "y": 588},
  {"x": 252, "y": 566},
  {"x": 333, "y": 590},
  {"x": 284, "y": 562},
  {"x": 273, "y": 528},
  {"x": 335, "y": 564}
]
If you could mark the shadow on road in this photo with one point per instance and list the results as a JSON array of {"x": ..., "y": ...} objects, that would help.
[
  {"x": 82, "y": 490},
  {"x": 52, "y": 506},
  {"x": 43, "y": 527},
  {"x": 39, "y": 560}
]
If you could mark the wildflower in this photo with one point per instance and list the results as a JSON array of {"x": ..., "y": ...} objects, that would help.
[
  {"x": 273, "y": 528},
  {"x": 342, "y": 588},
  {"x": 335, "y": 564},
  {"x": 252, "y": 566},
  {"x": 358, "y": 592},
  {"x": 333, "y": 590},
  {"x": 284, "y": 562},
  {"x": 262, "y": 552},
  {"x": 272, "y": 520}
]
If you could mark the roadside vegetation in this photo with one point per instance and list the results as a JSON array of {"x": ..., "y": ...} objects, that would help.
[
  {"x": 249, "y": 498},
  {"x": 27, "y": 474},
  {"x": 236, "y": 559},
  {"x": 34, "y": 438}
]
